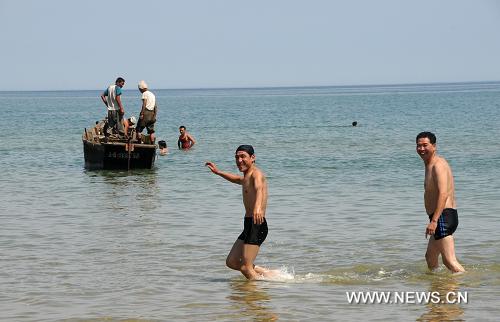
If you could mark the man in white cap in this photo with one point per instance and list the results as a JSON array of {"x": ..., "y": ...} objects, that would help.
[
  {"x": 112, "y": 99},
  {"x": 147, "y": 118}
]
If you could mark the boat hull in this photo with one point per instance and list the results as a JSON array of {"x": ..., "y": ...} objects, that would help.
[{"x": 110, "y": 156}]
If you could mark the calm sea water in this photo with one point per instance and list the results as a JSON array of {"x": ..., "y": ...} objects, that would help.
[{"x": 345, "y": 206}]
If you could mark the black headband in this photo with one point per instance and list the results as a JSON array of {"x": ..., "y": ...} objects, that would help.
[{"x": 246, "y": 148}]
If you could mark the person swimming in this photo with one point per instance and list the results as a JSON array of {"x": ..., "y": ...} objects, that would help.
[{"x": 162, "y": 145}]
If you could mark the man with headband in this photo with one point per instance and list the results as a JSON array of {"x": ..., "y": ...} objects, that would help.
[{"x": 254, "y": 190}]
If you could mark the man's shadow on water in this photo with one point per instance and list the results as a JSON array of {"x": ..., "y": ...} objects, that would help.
[
  {"x": 450, "y": 304},
  {"x": 251, "y": 300}
]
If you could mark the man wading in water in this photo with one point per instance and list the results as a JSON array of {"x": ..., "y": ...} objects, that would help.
[
  {"x": 439, "y": 199},
  {"x": 254, "y": 190}
]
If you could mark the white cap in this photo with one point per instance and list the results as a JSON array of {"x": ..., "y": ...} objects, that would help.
[
  {"x": 143, "y": 85},
  {"x": 133, "y": 120}
]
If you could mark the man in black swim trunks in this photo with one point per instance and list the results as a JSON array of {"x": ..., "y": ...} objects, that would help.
[
  {"x": 254, "y": 190},
  {"x": 440, "y": 204}
]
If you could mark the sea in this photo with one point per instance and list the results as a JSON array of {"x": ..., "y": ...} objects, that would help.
[{"x": 345, "y": 211}]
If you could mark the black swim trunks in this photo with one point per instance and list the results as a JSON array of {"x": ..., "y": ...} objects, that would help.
[
  {"x": 253, "y": 234},
  {"x": 446, "y": 224}
]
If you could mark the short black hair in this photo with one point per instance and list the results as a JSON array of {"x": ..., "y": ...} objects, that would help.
[
  {"x": 119, "y": 80},
  {"x": 162, "y": 144},
  {"x": 182, "y": 127},
  {"x": 429, "y": 135},
  {"x": 246, "y": 148}
]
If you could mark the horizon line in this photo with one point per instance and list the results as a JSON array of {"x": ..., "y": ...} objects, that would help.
[{"x": 275, "y": 87}]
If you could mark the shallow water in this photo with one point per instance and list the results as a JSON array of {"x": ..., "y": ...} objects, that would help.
[{"x": 345, "y": 207}]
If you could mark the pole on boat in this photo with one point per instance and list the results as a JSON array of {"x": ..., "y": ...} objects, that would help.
[{"x": 129, "y": 146}]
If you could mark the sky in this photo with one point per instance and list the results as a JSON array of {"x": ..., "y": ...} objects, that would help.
[{"x": 72, "y": 45}]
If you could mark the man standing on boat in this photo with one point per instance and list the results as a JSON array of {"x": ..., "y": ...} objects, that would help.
[
  {"x": 112, "y": 99},
  {"x": 147, "y": 117}
]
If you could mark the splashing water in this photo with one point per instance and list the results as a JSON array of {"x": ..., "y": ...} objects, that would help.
[{"x": 278, "y": 275}]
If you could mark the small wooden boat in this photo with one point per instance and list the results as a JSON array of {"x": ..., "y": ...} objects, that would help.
[{"x": 112, "y": 152}]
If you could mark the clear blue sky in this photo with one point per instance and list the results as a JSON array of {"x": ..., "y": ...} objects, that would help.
[{"x": 64, "y": 44}]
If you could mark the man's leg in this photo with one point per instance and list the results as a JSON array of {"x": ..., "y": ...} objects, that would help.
[
  {"x": 119, "y": 123},
  {"x": 112, "y": 118},
  {"x": 233, "y": 259},
  {"x": 248, "y": 257},
  {"x": 447, "y": 246},
  {"x": 149, "y": 123},
  {"x": 151, "y": 131},
  {"x": 432, "y": 254}
]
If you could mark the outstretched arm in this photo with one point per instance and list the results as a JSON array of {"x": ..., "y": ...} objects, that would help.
[
  {"x": 234, "y": 178},
  {"x": 259, "y": 182}
]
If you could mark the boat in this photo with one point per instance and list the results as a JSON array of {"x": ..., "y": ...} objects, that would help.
[{"x": 113, "y": 152}]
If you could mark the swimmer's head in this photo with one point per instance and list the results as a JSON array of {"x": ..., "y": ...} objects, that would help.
[
  {"x": 354, "y": 123},
  {"x": 429, "y": 135},
  {"x": 162, "y": 144},
  {"x": 246, "y": 148}
]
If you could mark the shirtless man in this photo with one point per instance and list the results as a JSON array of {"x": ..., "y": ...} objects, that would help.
[
  {"x": 163, "y": 147},
  {"x": 254, "y": 190},
  {"x": 186, "y": 140},
  {"x": 439, "y": 198}
]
